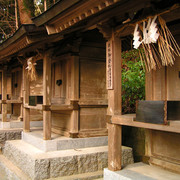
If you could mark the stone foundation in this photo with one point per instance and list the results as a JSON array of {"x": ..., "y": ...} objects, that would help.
[{"x": 43, "y": 165}]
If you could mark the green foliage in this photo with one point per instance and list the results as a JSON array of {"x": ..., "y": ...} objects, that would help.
[{"x": 133, "y": 80}]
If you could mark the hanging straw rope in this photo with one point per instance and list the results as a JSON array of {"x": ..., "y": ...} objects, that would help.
[
  {"x": 32, "y": 74},
  {"x": 161, "y": 55},
  {"x": 31, "y": 62}
]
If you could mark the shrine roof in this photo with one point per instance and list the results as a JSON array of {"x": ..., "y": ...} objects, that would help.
[{"x": 26, "y": 35}]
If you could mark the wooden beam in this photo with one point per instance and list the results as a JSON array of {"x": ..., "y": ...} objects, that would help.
[
  {"x": 128, "y": 120},
  {"x": 47, "y": 95},
  {"x": 37, "y": 107},
  {"x": 26, "y": 92},
  {"x": 4, "y": 94},
  {"x": 14, "y": 101},
  {"x": 61, "y": 107},
  {"x": 114, "y": 147}
]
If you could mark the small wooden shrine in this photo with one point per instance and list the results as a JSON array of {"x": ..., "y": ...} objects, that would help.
[{"x": 159, "y": 113}]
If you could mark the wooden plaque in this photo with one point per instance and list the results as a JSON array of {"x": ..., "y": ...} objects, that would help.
[
  {"x": 150, "y": 112},
  {"x": 109, "y": 64}
]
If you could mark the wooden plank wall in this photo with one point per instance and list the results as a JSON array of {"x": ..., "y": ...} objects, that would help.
[
  {"x": 84, "y": 80},
  {"x": 61, "y": 94},
  {"x": 16, "y": 87},
  {"x": 93, "y": 87},
  {"x": 164, "y": 147}
]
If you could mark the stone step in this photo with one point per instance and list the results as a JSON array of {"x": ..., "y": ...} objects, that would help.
[
  {"x": 43, "y": 165},
  {"x": 8, "y": 171},
  {"x": 9, "y": 134},
  {"x": 140, "y": 171},
  {"x": 35, "y": 138}
]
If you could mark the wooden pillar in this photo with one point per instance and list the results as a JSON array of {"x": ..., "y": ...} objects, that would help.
[
  {"x": 74, "y": 126},
  {"x": 4, "y": 94},
  {"x": 114, "y": 93},
  {"x": 21, "y": 98},
  {"x": 114, "y": 61},
  {"x": 114, "y": 147},
  {"x": 47, "y": 96},
  {"x": 26, "y": 92},
  {"x": 74, "y": 123}
]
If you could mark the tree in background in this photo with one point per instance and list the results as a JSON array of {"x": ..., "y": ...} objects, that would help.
[
  {"x": 16, "y": 12},
  {"x": 133, "y": 80},
  {"x": 7, "y": 19},
  {"x": 26, "y": 11}
]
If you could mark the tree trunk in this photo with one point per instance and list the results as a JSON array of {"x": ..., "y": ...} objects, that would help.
[
  {"x": 16, "y": 15},
  {"x": 26, "y": 11},
  {"x": 45, "y": 5}
]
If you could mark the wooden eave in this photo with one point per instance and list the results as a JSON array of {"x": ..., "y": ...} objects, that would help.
[
  {"x": 52, "y": 12},
  {"x": 82, "y": 15},
  {"x": 79, "y": 11},
  {"x": 169, "y": 14},
  {"x": 25, "y": 36}
]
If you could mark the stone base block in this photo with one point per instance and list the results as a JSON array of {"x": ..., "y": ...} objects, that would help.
[
  {"x": 43, "y": 165},
  {"x": 140, "y": 171},
  {"x": 19, "y": 124},
  {"x": 58, "y": 142}
]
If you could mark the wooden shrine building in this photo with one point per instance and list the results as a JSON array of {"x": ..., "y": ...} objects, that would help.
[{"x": 75, "y": 49}]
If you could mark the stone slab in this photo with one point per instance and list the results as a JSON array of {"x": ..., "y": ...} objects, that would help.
[
  {"x": 58, "y": 142},
  {"x": 43, "y": 165},
  {"x": 140, "y": 171},
  {"x": 19, "y": 124}
]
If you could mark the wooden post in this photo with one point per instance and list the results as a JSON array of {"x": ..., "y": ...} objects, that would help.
[
  {"x": 114, "y": 61},
  {"x": 21, "y": 98},
  {"x": 114, "y": 147},
  {"x": 74, "y": 123},
  {"x": 114, "y": 94},
  {"x": 47, "y": 96},
  {"x": 26, "y": 92},
  {"x": 74, "y": 126},
  {"x": 4, "y": 94}
]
